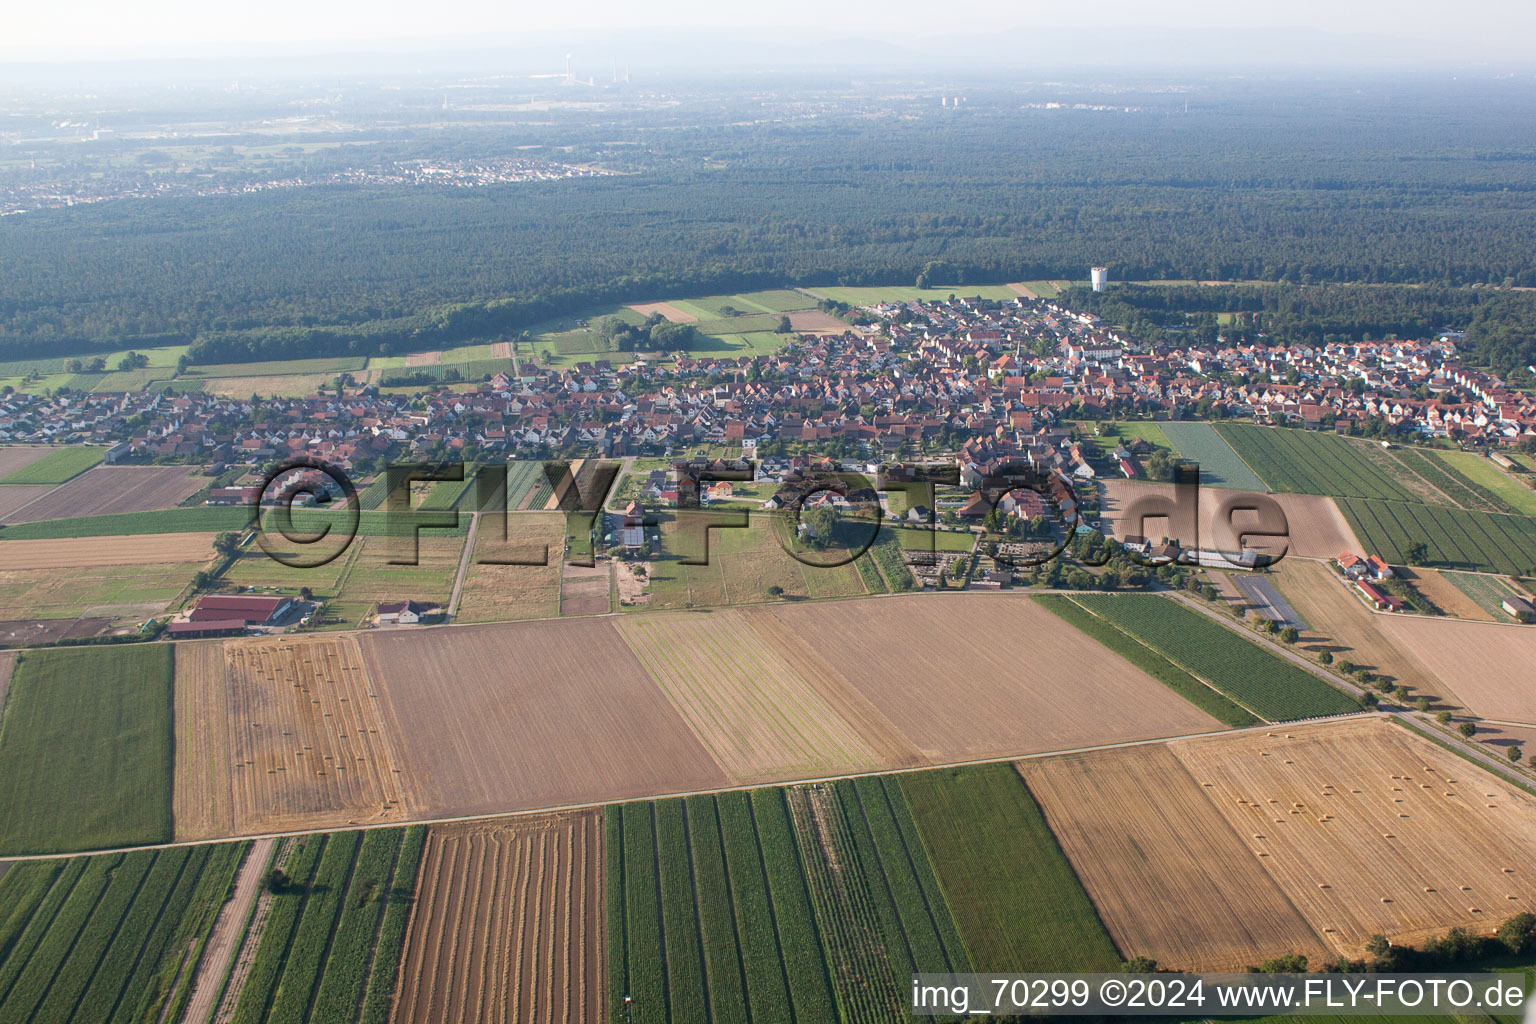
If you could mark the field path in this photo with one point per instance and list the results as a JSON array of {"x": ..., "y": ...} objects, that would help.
[
  {"x": 228, "y": 931},
  {"x": 458, "y": 578},
  {"x": 7, "y": 662}
]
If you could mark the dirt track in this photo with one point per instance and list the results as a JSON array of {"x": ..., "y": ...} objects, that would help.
[{"x": 227, "y": 935}]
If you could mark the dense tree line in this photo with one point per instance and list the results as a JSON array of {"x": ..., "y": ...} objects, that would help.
[
  {"x": 1500, "y": 324},
  {"x": 1322, "y": 191}
]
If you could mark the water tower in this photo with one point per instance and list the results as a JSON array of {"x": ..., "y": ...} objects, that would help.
[{"x": 1100, "y": 278}]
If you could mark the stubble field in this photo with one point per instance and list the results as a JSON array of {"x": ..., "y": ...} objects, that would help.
[
  {"x": 518, "y": 716},
  {"x": 1332, "y": 833},
  {"x": 91, "y": 552},
  {"x": 201, "y": 801},
  {"x": 507, "y": 923},
  {"x": 1169, "y": 876},
  {"x": 1370, "y": 830},
  {"x": 971, "y": 676},
  {"x": 495, "y": 593},
  {"x": 747, "y": 704},
  {"x": 1316, "y": 526},
  {"x": 307, "y": 737}
]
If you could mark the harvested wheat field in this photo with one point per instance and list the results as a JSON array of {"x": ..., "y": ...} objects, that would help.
[
  {"x": 1317, "y": 528},
  {"x": 748, "y": 706},
  {"x": 201, "y": 796},
  {"x": 982, "y": 675},
  {"x": 507, "y": 924},
  {"x": 89, "y": 552},
  {"x": 1488, "y": 663},
  {"x": 1369, "y": 829},
  {"x": 584, "y": 590},
  {"x": 1169, "y": 876},
  {"x": 517, "y": 716},
  {"x": 667, "y": 310},
  {"x": 1445, "y": 594},
  {"x": 104, "y": 490},
  {"x": 497, "y": 593},
  {"x": 7, "y": 663},
  {"x": 307, "y": 739},
  {"x": 1342, "y": 624},
  {"x": 424, "y": 358},
  {"x": 501, "y": 350},
  {"x": 814, "y": 321}
]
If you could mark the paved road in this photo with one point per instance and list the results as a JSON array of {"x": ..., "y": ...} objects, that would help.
[{"x": 228, "y": 930}]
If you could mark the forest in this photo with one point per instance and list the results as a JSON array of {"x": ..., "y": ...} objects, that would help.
[{"x": 1305, "y": 185}]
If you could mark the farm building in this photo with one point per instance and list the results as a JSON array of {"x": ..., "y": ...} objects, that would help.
[
  {"x": 406, "y": 613},
  {"x": 246, "y": 610},
  {"x": 1380, "y": 598},
  {"x": 1372, "y": 567},
  {"x": 232, "y": 496},
  {"x": 207, "y": 628},
  {"x": 1520, "y": 608}
]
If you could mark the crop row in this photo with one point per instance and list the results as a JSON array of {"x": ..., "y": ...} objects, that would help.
[
  {"x": 854, "y": 935},
  {"x": 1311, "y": 463},
  {"x": 686, "y": 953},
  {"x": 1239, "y": 668},
  {"x": 330, "y": 946},
  {"x": 99, "y": 939},
  {"x": 1451, "y": 483},
  {"x": 1455, "y": 538},
  {"x": 1015, "y": 898}
]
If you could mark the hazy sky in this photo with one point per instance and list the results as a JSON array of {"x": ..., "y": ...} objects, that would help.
[{"x": 189, "y": 27}]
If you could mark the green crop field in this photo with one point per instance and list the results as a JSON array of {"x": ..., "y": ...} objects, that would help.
[
  {"x": 195, "y": 519},
  {"x": 331, "y": 945},
  {"x": 86, "y": 749},
  {"x": 1152, "y": 433},
  {"x": 280, "y": 367},
  {"x": 1448, "y": 481},
  {"x": 57, "y": 466},
  {"x": 101, "y": 939},
  {"x": 1456, "y": 538},
  {"x": 1249, "y": 674},
  {"x": 1491, "y": 480},
  {"x": 1310, "y": 462},
  {"x": 670, "y": 947},
  {"x": 1220, "y": 464},
  {"x": 1149, "y": 661},
  {"x": 1489, "y": 592},
  {"x": 1014, "y": 896}
]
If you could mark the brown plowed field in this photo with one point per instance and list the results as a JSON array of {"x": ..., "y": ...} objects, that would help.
[
  {"x": 1170, "y": 878},
  {"x": 307, "y": 738},
  {"x": 1370, "y": 829},
  {"x": 1445, "y": 594},
  {"x": 747, "y": 704},
  {"x": 496, "y": 593},
  {"x": 89, "y": 552},
  {"x": 1342, "y": 624},
  {"x": 507, "y": 924},
  {"x": 1490, "y": 664},
  {"x": 981, "y": 675},
  {"x": 18, "y": 496},
  {"x": 201, "y": 796},
  {"x": 516, "y": 716},
  {"x": 104, "y": 490},
  {"x": 14, "y": 457},
  {"x": 667, "y": 310},
  {"x": 501, "y": 350}
]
